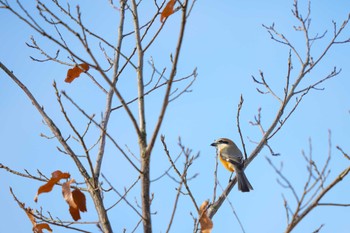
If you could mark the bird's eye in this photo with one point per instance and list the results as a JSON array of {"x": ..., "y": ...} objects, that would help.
[{"x": 223, "y": 142}]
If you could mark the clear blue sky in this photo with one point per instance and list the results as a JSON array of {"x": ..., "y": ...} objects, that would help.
[{"x": 227, "y": 43}]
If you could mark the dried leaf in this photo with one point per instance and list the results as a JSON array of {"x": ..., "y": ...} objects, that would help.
[
  {"x": 204, "y": 220},
  {"x": 29, "y": 212},
  {"x": 55, "y": 177},
  {"x": 168, "y": 10},
  {"x": 76, "y": 200},
  {"x": 39, "y": 228},
  {"x": 79, "y": 199},
  {"x": 74, "y": 212},
  {"x": 76, "y": 71}
]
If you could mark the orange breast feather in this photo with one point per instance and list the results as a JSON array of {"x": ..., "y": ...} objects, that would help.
[{"x": 226, "y": 164}]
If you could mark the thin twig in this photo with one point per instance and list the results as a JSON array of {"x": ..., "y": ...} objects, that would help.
[{"x": 178, "y": 173}]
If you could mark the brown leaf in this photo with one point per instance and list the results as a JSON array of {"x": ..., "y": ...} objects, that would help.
[
  {"x": 76, "y": 200},
  {"x": 56, "y": 176},
  {"x": 74, "y": 212},
  {"x": 204, "y": 220},
  {"x": 79, "y": 199},
  {"x": 168, "y": 10},
  {"x": 76, "y": 71},
  {"x": 39, "y": 228},
  {"x": 29, "y": 212}
]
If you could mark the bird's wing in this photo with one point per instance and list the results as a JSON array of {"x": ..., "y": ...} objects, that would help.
[{"x": 232, "y": 158}]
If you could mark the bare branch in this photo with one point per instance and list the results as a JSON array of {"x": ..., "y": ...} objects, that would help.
[
  {"x": 345, "y": 154},
  {"x": 81, "y": 138},
  {"x": 182, "y": 176},
  {"x": 170, "y": 81},
  {"x": 123, "y": 196},
  {"x": 106, "y": 116},
  {"x": 175, "y": 206},
  {"x": 240, "y": 105},
  {"x": 313, "y": 192},
  {"x": 107, "y": 134},
  {"x": 49, "y": 122}
]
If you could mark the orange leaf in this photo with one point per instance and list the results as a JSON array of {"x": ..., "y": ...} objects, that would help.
[
  {"x": 79, "y": 199},
  {"x": 76, "y": 200},
  {"x": 56, "y": 176},
  {"x": 204, "y": 220},
  {"x": 76, "y": 71},
  {"x": 168, "y": 10},
  {"x": 38, "y": 228}
]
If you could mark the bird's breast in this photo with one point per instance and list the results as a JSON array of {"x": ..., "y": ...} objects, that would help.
[{"x": 226, "y": 164}]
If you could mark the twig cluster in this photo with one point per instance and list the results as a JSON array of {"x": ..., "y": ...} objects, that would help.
[
  {"x": 315, "y": 188},
  {"x": 75, "y": 42},
  {"x": 293, "y": 88}
]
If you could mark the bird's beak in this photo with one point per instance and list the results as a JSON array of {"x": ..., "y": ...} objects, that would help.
[{"x": 213, "y": 144}]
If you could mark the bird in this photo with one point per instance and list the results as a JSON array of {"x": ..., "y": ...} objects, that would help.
[{"x": 232, "y": 159}]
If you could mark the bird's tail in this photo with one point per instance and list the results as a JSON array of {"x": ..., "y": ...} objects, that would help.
[{"x": 243, "y": 182}]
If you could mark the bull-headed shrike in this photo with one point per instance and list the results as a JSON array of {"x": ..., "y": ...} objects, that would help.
[{"x": 232, "y": 159}]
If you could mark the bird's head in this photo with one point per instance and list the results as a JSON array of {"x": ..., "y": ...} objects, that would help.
[{"x": 222, "y": 142}]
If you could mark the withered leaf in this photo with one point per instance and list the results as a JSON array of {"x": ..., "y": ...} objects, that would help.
[
  {"x": 37, "y": 228},
  {"x": 56, "y": 176},
  {"x": 168, "y": 10},
  {"x": 76, "y": 71},
  {"x": 76, "y": 200},
  {"x": 204, "y": 220},
  {"x": 79, "y": 199}
]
